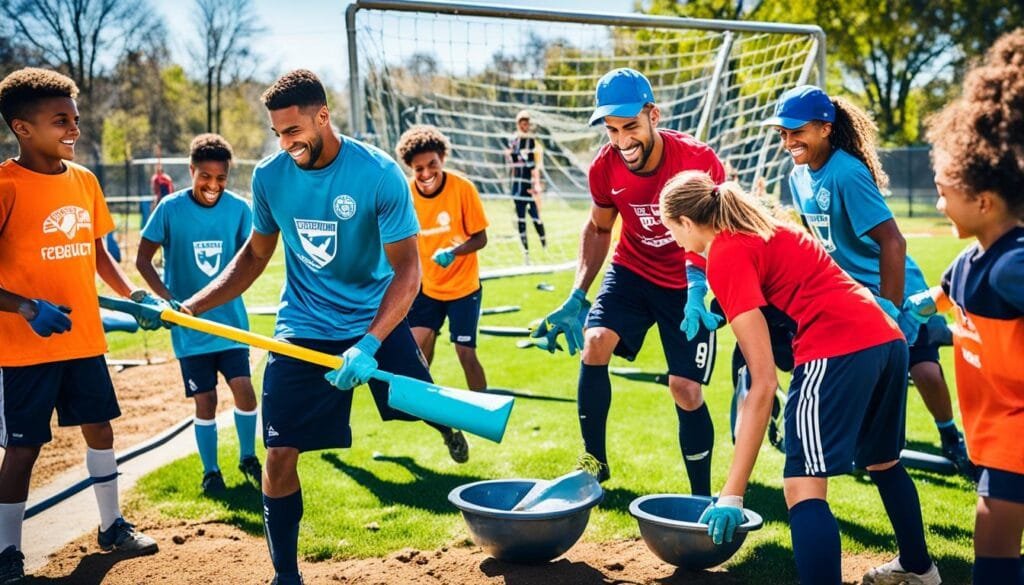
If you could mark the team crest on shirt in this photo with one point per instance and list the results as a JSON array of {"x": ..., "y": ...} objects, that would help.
[
  {"x": 208, "y": 255},
  {"x": 824, "y": 199},
  {"x": 344, "y": 206},
  {"x": 319, "y": 241},
  {"x": 68, "y": 220}
]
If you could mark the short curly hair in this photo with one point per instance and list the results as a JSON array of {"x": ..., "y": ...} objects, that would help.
[
  {"x": 981, "y": 133},
  {"x": 210, "y": 147},
  {"x": 300, "y": 87},
  {"x": 420, "y": 139},
  {"x": 21, "y": 91}
]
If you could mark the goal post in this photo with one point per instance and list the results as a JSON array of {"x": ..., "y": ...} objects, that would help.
[{"x": 469, "y": 68}]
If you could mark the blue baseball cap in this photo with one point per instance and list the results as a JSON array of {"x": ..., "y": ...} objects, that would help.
[
  {"x": 621, "y": 92},
  {"x": 800, "y": 105}
]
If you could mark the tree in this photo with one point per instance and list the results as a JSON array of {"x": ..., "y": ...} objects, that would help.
[
  {"x": 226, "y": 28},
  {"x": 79, "y": 37}
]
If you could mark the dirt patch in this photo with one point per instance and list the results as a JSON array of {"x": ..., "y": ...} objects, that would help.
[
  {"x": 151, "y": 398},
  {"x": 196, "y": 552}
]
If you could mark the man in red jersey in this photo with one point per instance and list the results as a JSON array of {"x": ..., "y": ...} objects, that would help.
[{"x": 646, "y": 283}]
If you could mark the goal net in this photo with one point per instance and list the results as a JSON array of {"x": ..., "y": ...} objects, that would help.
[{"x": 470, "y": 69}]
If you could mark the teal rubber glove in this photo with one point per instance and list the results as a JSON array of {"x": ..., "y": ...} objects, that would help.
[
  {"x": 565, "y": 319},
  {"x": 46, "y": 317},
  {"x": 908, "y": 326},
  {"x": 149, "y": 315},
  {"x": 444, "y": 257},
  {"x": 359, "y": 364},
  {"x": 920, "y": 306},
  {"x": 695, "y": 313},
  {"x": 723, "y": 517}
]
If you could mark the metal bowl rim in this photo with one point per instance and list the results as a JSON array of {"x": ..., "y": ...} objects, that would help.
[
  {"x": 456, "y": 499},
  {"x": 754, "y": 520}
]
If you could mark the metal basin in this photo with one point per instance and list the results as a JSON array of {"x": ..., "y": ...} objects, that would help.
[
  {"x": 670, "y": 528},
  {"x": 521, "y": 536}
]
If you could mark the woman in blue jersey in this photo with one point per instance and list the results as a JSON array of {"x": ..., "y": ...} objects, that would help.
[{"x": 836, "y": 187}]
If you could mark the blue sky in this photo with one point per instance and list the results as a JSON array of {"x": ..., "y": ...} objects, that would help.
[{"x": 311, "y": 33}]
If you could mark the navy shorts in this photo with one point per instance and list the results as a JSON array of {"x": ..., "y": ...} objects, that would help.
[
  {"x": 629, "y": 305},
  {"x": 303, "y": 410},
  {"x": 199, "y": 372},
  {"x": 846, "y": 410},
  {"x": 79, "y": 389},
  {"x": 925, "y": 349},
  {"x": 463, "y": 316},
  {"x": 1001, "y": 485}
]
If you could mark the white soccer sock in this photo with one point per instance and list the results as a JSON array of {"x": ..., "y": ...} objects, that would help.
[
  {"x": 103, "y": 465},
  {"x": 11, "y": 517}
]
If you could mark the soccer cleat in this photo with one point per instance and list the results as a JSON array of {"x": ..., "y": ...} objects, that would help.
[
  {"x": 892, "y": 573},
  {"x": 458, "y": 448},
  {"x": 251, "y": 469},
  {"x": 957, "y": 453},
  {"x": 12, "y": 565},
  {"x": 295, "y": 579},
  {"x": 213, "y": 482},
  {"x": 122, "y": 536}
]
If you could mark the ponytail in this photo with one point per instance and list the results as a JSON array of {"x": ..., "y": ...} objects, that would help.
[
  {"x": 724, "y": 207},
  {"x": 856, "y": 133}
]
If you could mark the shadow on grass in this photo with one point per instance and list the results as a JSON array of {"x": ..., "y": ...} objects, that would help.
[
  {"x": 243, "y": 506},
  {"x": 527, "y": 395},
  {"x": 429, "y": 492}
]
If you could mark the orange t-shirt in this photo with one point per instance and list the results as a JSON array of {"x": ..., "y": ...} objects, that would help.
[
  {"x": 48, "y": 230},
  {"x": 448, "y": 218}
]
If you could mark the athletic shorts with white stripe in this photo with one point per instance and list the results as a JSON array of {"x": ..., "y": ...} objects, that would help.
[{"x": 847, "y": 410}]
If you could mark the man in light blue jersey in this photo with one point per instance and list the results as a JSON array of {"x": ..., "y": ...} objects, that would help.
[
  {"x": 352, "y": 272},
  {"x": 836, "y": 185},
  {"x": 200, "y": 229}
]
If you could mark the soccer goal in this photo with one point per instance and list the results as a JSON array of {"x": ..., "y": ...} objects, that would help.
[{"x": 469, "y": 69}]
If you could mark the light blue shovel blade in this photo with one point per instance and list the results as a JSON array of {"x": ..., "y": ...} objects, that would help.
[
  {"x": 482, "y": 414},
  {"x": 559, "y": 493}
]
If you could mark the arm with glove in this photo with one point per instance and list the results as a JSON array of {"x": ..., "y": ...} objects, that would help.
[{"x": 695, "y": 313}]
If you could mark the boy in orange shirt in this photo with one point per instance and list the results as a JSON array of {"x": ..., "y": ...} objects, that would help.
[
  {"x": 53, "y": 219},
  {"x": 453, "y": 228}
]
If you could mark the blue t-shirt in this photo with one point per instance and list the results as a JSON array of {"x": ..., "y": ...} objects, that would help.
[
  {"x": 334, "y": 222},
  {"x": 841, "y": 203},
  {"x": 198, "y": 243}
]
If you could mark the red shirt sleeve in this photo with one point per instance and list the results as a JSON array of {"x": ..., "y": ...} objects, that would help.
[
  {"x": 599, "y": 184},
  {"x": 734, "y": 276},
  {"x": 714, "y": 166}
]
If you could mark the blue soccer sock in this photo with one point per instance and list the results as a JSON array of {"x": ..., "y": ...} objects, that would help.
[
  {"x": 593, "y": 400},
  {"x": 816, "y": 547},
  {"x": 206, "y": 441},
  {"x": 697, "y": 441},
  {"x": 281, "y": 518},
  {"x": 245, "y": 426},
  {"x": 998, "y": 571},
  {"x": 899, "y": 496}
]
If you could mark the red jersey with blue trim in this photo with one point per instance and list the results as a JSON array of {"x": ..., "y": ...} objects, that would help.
[
  {"x": 646, "y": 247},
  {"x": 986, "y": 288},
  {"x": 834, "y": 314}
]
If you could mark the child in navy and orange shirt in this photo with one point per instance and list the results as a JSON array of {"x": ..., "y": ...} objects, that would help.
[{"x": 849, "y": 385}]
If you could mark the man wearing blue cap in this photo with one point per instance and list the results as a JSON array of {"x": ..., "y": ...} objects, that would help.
[
  {"x": 646, "y": 283},
  {"x": 836, "y": 186}
]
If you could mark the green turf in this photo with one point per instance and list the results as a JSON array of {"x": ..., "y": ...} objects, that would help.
[{"x": 357, "y": 505}]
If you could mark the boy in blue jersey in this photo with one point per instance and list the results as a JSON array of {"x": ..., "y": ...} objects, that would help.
[
  {"x": 836, "y": 188},
  {"x": 200, "y": 229},
  {"x": 352, "y": 272}
]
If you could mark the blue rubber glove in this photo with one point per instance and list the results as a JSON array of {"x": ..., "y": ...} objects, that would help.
[
  {"x": 723, "y": 517},
  {"x": 920, "y": 306},
  {"x": 444, "y": 257},
  {"x": 908, "y": 326},
  {"x": 359, "y": 364},
  {"x": 49, "y": 318},
  {"x": 149, "y": 314},
  {"x": 695, "y": 313},
  {"x": 565, "y": 319}
]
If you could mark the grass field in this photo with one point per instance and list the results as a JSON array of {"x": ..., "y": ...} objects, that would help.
[{"x": 402, "y": 489}]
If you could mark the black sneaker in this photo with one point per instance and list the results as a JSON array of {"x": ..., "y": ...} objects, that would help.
[
  {"x": 12, "y": 565},
  {"x": 252, "y": 470},
  {"x": 458, "y": 448},
  {"x": 213, "y": 482},
  {"x": 122, "y": 536},
  {"x": 956, "y": 451}
]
